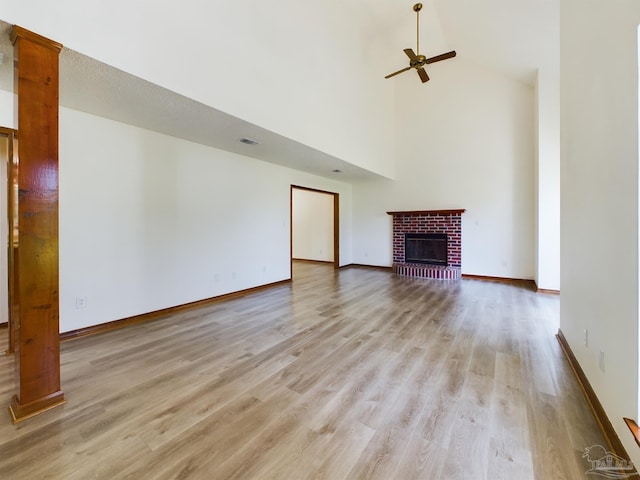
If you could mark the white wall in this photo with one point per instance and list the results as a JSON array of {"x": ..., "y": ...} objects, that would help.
[
  {"x": 548, "y": 180},
  {"x": 7, "y": 113},
  {"x": 464, "y": 140},
  {"x": 149, "y": 221},
  {"x": 312, "y": 225},
  {"x": 599, "y": 185},
  {"x": 269, "y": 63}
]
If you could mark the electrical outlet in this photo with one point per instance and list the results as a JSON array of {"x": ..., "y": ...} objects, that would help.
[
  {"x": 81, "y": 302},
  {"x": 601, "y": 360},
  {"x": 586, "y": 338}
]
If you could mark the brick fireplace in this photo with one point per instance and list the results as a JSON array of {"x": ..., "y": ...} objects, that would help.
[{"x": 448, "y": 222}]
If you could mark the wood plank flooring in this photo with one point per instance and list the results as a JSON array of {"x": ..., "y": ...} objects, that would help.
[{"x": 356, "y": 374}]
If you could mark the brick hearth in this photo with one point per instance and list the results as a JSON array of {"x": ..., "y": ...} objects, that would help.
[{"x": 429, "y": 221}]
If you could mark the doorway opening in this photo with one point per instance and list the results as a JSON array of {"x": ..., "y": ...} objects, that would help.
[
  {"x": 8, "y": 230},
  {"x": 315, "y": 226}
]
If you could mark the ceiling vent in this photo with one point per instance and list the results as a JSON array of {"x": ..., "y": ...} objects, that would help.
[{"x": 248, "y": 141}]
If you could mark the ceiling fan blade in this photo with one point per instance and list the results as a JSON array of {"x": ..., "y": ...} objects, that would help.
[
  {"x": 396, "y": 73},
  {"x": 444, "y": 56},
  {"x": 412, "y": 56},
  {"x": 423, "y": 75}
]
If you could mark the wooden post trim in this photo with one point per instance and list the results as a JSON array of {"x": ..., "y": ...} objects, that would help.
[
  {"x": 20, "y": 412},
  {"x": 19, "y": 32},
  {"x": 37, "y": 330}
]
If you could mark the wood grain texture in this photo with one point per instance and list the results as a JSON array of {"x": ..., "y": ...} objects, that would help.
[
  {"x": 145, "y": 317},
  {"x": 633, "y": 428},
  {"x": 37, "y": 344},
  {"x": 342, "y": 374}
]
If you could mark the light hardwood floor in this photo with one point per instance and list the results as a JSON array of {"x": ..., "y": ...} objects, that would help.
[{"x": 350, "y": 375}]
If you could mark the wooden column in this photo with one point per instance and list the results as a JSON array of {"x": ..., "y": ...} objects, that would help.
[{"x": 37, "y": 359}]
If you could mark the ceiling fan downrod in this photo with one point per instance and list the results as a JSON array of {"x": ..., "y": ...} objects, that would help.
[{"x": 416, "y": 8}]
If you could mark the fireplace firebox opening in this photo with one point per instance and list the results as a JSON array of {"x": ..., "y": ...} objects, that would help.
[{"x": 427, "y": 248}]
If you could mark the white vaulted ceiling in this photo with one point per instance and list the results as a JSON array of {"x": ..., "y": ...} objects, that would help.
[{"x": 514, "y": 37}]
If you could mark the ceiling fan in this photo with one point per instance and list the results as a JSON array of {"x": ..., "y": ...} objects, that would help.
[{"x": 416, "y": 60}]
